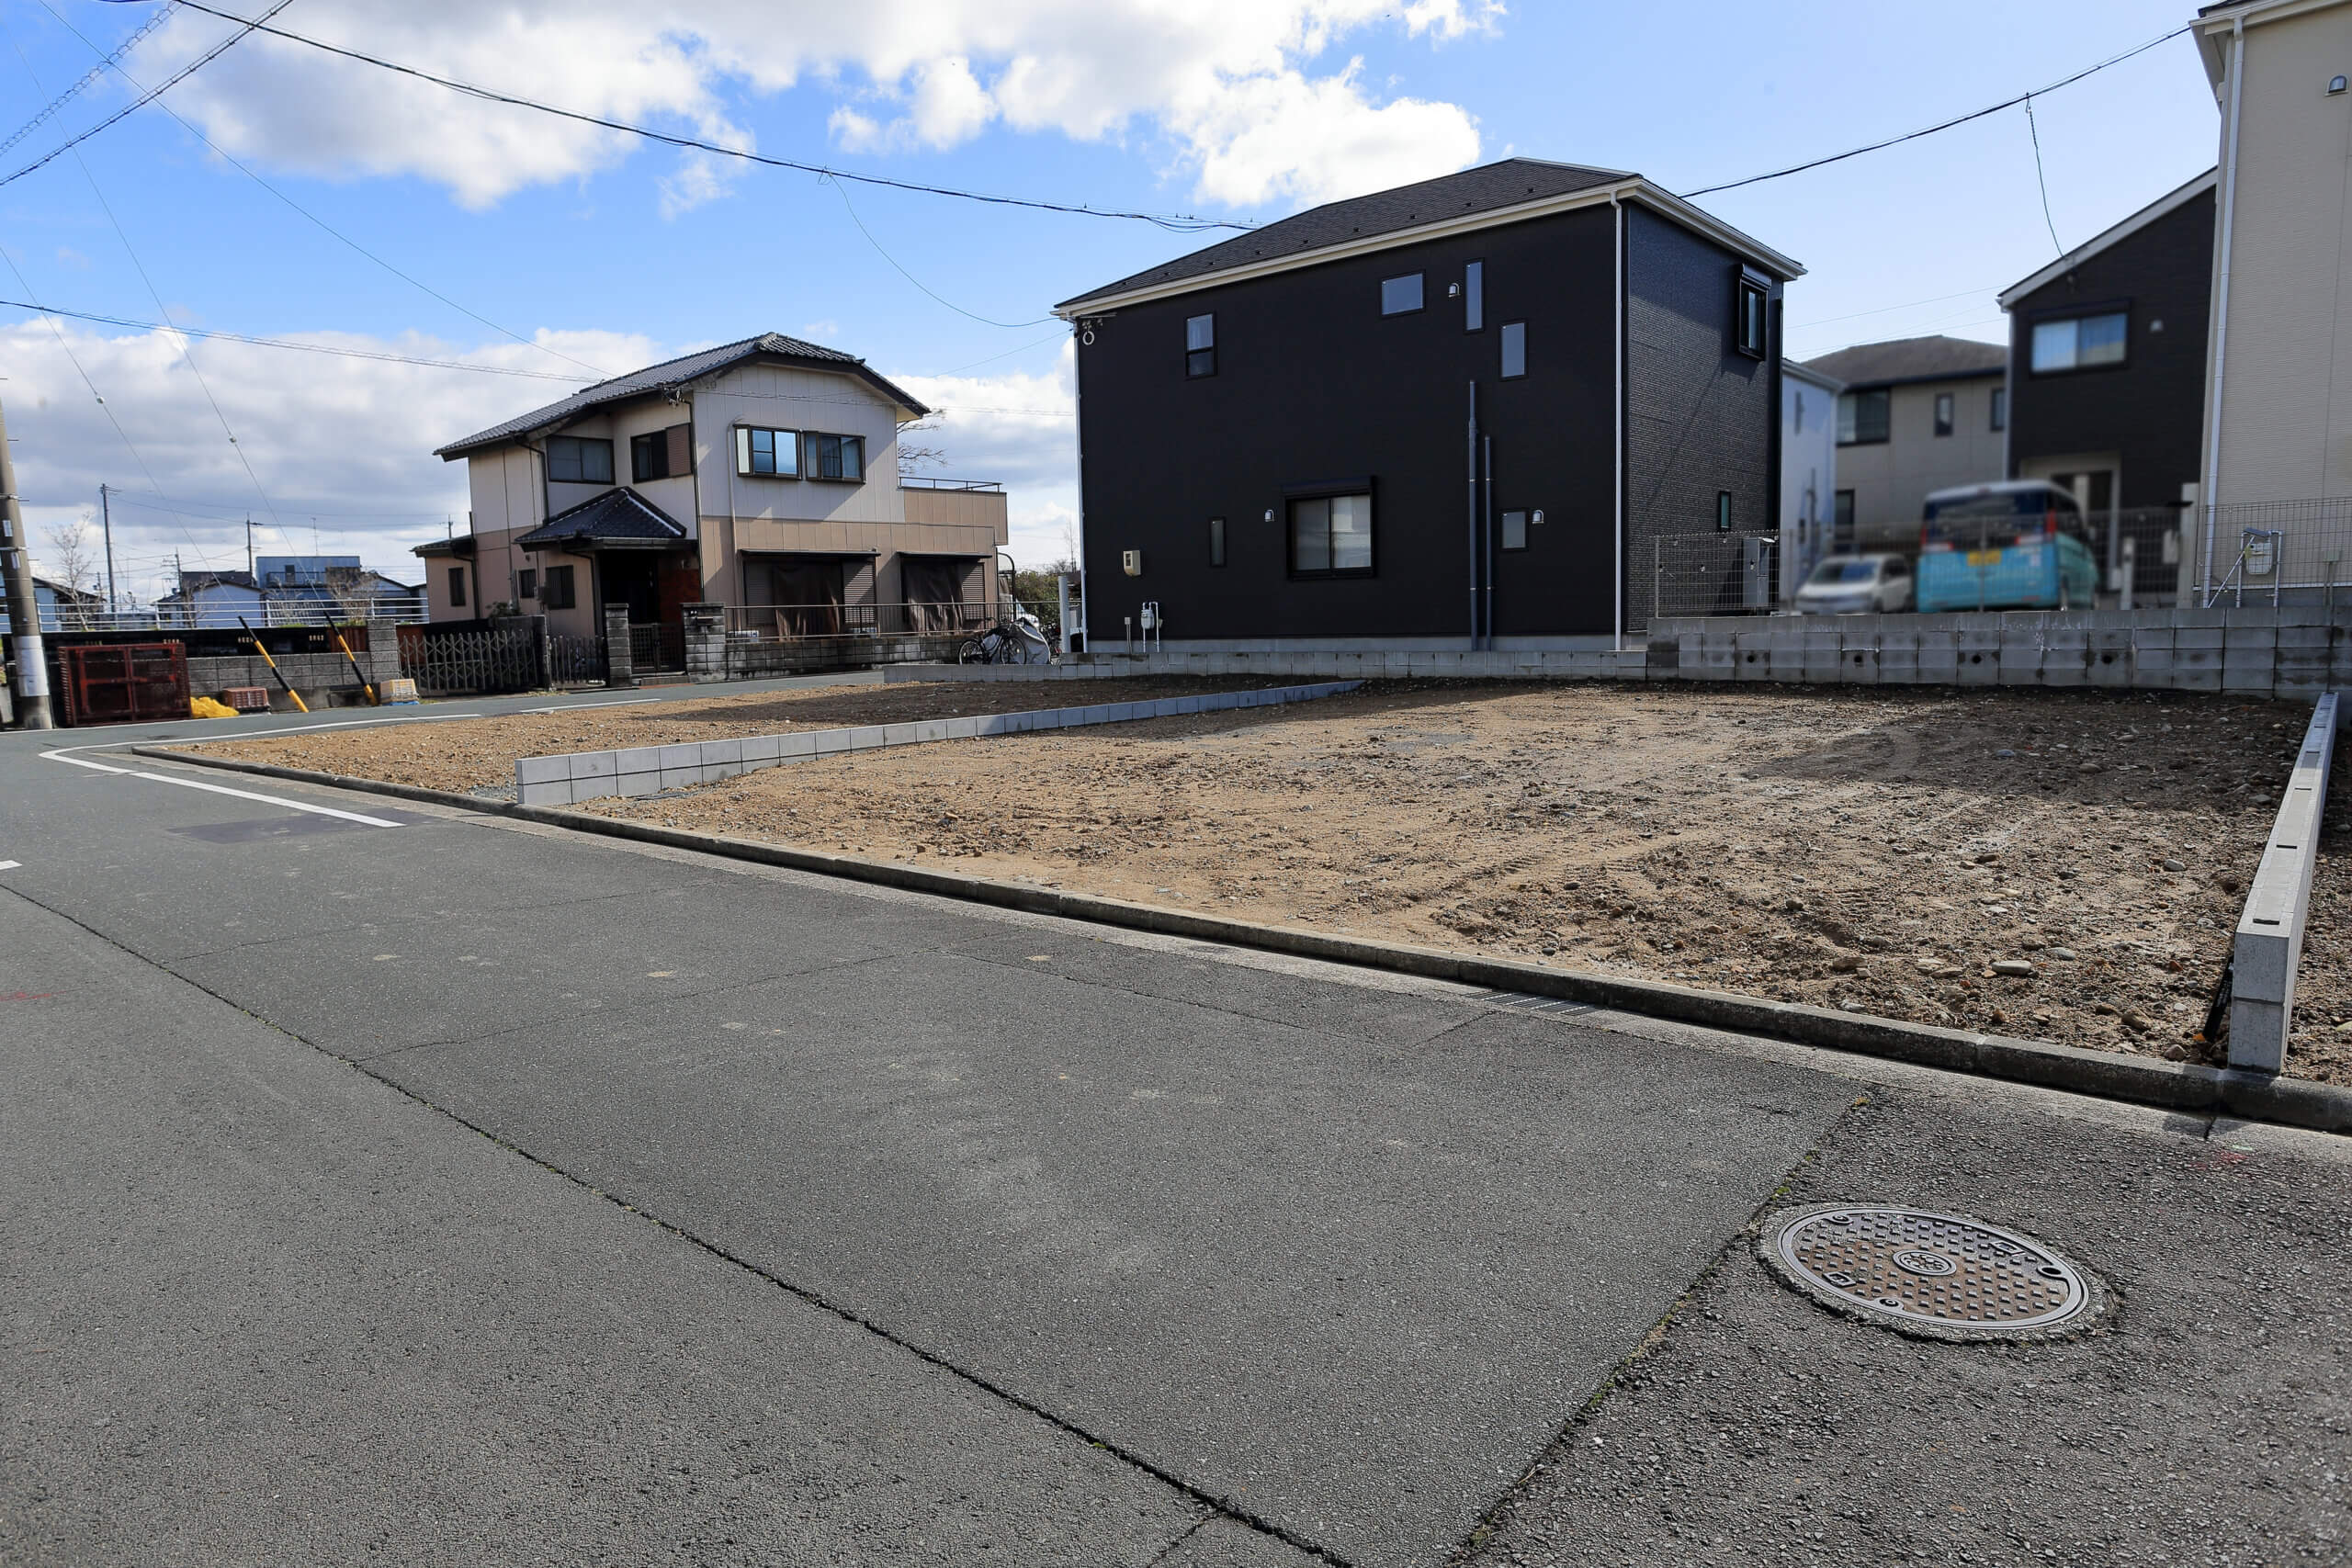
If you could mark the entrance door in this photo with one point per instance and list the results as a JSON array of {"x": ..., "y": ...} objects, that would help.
[{"x": 629, "y": 578}]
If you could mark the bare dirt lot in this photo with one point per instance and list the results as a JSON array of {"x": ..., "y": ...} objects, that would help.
[
  {"x": 1876, "y": 850},
  {"x": 480, "y": 753}
]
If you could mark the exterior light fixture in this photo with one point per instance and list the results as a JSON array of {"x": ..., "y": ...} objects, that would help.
[{"x": 2335, "y": 86}]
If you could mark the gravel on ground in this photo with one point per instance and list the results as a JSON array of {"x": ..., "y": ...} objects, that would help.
[{"x": 2059, "y": 865}]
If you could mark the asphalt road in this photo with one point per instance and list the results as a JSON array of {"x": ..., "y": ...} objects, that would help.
[{"x": 458, "y": 1190}]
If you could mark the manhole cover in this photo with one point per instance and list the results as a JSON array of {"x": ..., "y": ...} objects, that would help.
[{"x": 1944, "y": 1275}]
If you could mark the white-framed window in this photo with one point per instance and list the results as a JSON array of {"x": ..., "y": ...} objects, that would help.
[
  {"x": 767, "y": 454},
  {"x": 2080, "y": 343}
]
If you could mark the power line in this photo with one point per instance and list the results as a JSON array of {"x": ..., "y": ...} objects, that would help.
[
  {"x": 198, "y": 63},
  {"x": 1907, "y": 136},
  {"x": 287, "y": 344},
  {"x": 163, "y": 14},
  {"x": 910, "y": 277},
  {"x": 114, "y": 60},
  {"x": 1181, "y": 222},
  {"x": 187, "y": 350},
  {"x": 2039, "y": 177}
]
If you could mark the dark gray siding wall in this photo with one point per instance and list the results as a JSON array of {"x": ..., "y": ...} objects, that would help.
[
  {"x": 2150, "y": 410},
  {"x": 1701, "y": 416},
  {"x": 1314, "y": 384}
]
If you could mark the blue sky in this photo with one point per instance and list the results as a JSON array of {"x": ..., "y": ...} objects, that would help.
[{"x": 615, "y": 254}]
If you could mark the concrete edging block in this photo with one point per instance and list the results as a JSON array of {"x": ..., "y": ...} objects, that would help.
[{"x": 2249, "y": 1096}]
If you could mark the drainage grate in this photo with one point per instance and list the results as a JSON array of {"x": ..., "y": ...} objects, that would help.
[
  {"x": 1527, "y": 1002},
  {"x": 1943, "y": 1275}
]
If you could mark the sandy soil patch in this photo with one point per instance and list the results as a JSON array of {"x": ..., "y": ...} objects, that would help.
[
  {"x": 468, "y": 754},
  {"x": 1877, "y": 851}
]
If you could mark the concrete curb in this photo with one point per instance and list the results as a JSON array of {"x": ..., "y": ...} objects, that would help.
[{"x": 2171, "y": 1085}]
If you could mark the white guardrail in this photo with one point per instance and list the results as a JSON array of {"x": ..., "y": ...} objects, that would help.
[{"x": 2270, "y": 933}]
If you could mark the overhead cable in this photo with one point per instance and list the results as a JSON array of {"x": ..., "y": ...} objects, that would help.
[
  {"x": 174, "y": 79},
  {"x": 287, "y": 342},
  {"x": 163, "y": 14},
  {"x": 1181, "y": 222},
  {"x": 1925, "y": 131},
  {"x": 114, "y": 61}
]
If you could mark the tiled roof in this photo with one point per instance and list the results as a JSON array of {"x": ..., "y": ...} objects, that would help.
[
  {"x": 1911, "y": 359},
  {"x": 674, "y": 372},
  {"x": 617, "y": 517},
  {"x": 1483, "y": 189}
]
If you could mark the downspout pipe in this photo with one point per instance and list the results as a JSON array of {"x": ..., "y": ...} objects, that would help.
[
  {"x": 1617, "y": 404},
  {"x": 1470, "y": 467},
  {"x": 1487, "y": 540},
  {"x": 2228, "y": 189}
]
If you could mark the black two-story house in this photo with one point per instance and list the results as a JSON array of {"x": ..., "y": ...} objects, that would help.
[
  {"x": 2106, "y": 358},
  {"x": 1455, "y": 414}
]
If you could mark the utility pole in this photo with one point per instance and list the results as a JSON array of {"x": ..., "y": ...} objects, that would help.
[
  {"x": 248, "y": 544},
  {"x": 105, "y": 515},
  {"x": 24, "y": 606}
]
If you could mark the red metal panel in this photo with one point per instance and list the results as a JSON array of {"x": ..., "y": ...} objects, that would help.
[{"x": 124, "y": 682}]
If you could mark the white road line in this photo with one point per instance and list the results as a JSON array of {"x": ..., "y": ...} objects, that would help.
[
  {"x": 10, "y": 864},
  {"x": 222, "y": 789}
]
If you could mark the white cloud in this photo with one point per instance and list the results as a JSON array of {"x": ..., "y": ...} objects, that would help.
[
  {"x": 1226, "y": 87},
  {"x": 344, "y": 446},
  {"x": 1020, "y": 429}
]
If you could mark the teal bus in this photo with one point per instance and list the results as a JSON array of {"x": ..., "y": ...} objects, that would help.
[{"x": 2018, "y": 545}]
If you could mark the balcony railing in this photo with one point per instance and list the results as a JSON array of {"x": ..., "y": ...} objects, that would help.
[
  {"x": 224, "y": 617},
  {"x": 915, "y": 484}
]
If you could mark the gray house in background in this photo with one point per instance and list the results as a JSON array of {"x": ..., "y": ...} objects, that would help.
[{"x": 1917, "y": 414}]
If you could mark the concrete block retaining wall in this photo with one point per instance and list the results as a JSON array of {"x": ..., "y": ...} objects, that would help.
[
  {"x": 2293, "y": 653},
  {"x": 650, "y": 769}
]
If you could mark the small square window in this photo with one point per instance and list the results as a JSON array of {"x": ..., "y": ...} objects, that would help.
[
  {"x": 1400, "y": 296},
  {"x": 1200, "y": 346},
  {"x": 1944, "y": 414},
  {"x": 526, "y": 583},
  {"x": 1331, "y": 535},
  {"x": 1217, "y": 541},
  {"x": 2000, "y": 408},
  {"x": 1514, "y": 349},
  {"x": 1752, "y": 311},
  {"x": 1514, "y": 530},
  {"x": 1862, "y": 417},
  {"x": 559, "y": 594},
  {"x": 837, "y": 458},
  {"x": 1473, "y": 297}
]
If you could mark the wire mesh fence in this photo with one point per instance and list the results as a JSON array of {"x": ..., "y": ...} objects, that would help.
[
  {"x": 2258, "y": 552},
  {"x": 1710, "y": 574}
]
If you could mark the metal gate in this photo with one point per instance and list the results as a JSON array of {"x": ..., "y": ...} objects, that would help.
[
  {"x": 474, "y": 662},
  {"x": 123, "y": 684}
]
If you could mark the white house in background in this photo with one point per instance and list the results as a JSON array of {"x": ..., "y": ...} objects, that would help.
[
  {"x": 211, "y": 599},
  {"x": 2279, "y": 361},
  {"x": 1808, "y": 470},
  {"x": 762, "y": 476}
]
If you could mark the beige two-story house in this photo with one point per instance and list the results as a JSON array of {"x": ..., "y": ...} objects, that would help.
[
  {"x": 762, "y": 476},
  {"x": 1917, "y": 414}
]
